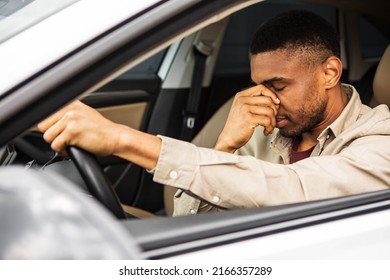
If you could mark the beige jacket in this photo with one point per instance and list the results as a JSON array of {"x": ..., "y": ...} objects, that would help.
[{"x": 352, "y": 156}]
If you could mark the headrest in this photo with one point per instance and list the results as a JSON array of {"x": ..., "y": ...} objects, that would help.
[{"x": 381, "y": 85}]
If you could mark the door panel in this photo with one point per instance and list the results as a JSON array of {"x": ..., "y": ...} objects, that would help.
[
  {"x": 130, "y": 115},
  {"x": 128, "y": 100}
]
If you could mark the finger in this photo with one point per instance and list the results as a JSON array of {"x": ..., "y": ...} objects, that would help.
[
  {"x": 263, "y": 116},
  {"x": 60, "y": 143},
  {"x": 69, "y": 123},
  {"x": 264, "y": 91},
  {"x": 64, "y": 133},
  {"x": 268, "y": 132},
  {"x": 54, "y": 118},
  {"x": 259, "y": 90},
  {"x": 263, "y": 112},
  {"x": 259, "y": 101},
  {"x": 268, "y": 129},
  {"x": 53, "y": 131},
  {"x": 44, "y": 125},
  {"x": 268, "y": 124}
]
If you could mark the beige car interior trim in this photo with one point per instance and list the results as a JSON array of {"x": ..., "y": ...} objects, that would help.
[
  {"x": 381, "y": 81},
  {"x": 130, "y": 114},
  {"x": 137, "y": 212}
]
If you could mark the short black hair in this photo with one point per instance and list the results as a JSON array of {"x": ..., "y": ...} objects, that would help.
[{"x": 297, "y": 31}]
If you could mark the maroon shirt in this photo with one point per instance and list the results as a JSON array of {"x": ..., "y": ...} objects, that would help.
[{"x": 297, "y": 156}]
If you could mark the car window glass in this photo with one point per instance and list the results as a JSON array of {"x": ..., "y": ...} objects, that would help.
[
  {"x": 373, "y": 42},
  {"x": 149, "y": 66},
  {"x": 233, "y": 57}
]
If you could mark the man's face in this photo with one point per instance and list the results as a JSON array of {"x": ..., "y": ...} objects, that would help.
[{"x": 303, "y": 100}]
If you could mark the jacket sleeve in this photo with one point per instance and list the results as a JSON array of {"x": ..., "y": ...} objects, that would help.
[{"x": 233, "y": 181}]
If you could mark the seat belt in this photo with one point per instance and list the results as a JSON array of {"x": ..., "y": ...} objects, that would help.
[{"x": 191, "y": 113}]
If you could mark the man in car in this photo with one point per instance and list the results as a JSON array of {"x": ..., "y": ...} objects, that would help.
[{"x": 324, "y": 142}]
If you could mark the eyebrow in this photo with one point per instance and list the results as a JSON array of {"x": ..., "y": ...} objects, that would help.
[
  {"x": 269, "y": 81},
  {"x": 274, "y": 79}
]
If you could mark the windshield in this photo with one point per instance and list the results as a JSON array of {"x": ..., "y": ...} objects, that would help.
[{"x": 17, "y": 15}]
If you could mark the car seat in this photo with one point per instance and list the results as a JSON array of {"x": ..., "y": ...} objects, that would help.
[{"x": 381, "y": 83}]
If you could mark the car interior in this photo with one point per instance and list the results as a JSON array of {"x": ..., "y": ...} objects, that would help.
[
  {"x": 164, "y": 95},
  {"x": 154, "y": 96}
]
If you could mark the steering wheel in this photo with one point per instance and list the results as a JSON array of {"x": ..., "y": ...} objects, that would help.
[{"x": 96, "y": 180}]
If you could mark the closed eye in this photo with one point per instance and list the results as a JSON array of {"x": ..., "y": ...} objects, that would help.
[{"x": 278, "y": 89}]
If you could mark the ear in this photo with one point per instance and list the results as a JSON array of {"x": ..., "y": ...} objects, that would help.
[{"x": 332, "y": 69}]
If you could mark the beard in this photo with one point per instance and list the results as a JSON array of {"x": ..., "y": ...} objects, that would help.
[{"x": 304, "y": 121}]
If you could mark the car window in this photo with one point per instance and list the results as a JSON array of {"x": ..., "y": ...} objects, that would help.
[
  {"x": 233, "y": 56},
  {"x": 147, "y": 67},
  {"x": 373, "y": 42}
]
